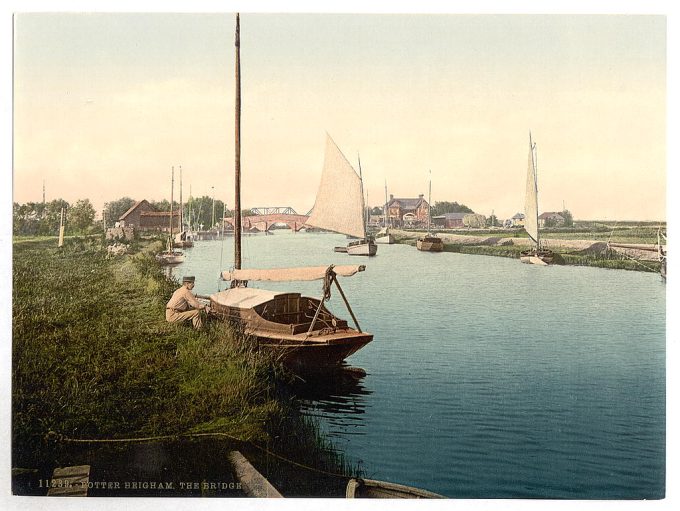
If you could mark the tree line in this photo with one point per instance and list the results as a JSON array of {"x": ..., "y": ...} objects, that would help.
[{"x": 43, "y": 218}]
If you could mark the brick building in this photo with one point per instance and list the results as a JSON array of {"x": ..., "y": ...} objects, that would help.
[
  {"x": 403, "y": 212},
  {"x": 143, "y": 216}
]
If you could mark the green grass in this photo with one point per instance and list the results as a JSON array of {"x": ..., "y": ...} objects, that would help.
[{"x": 94, "y": 358}]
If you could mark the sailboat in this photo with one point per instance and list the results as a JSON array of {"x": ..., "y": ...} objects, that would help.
[
  {"x": 300, "y": 331},
  {"x": 183, "y": 238},
  {"x": 384, "y": 236},
  {"x": 429, "y": 242},
  {"x": 171, "y": 256},
  {"x": 339, "y": 204},
  {"x": 535, "y": 255}
]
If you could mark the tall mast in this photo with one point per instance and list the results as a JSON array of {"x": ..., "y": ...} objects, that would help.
[
  {"x": 237, "y": 152},
  {"x": 534, "y": 158},
  {"x": 363, "y": 204},
  {"x": 172, "y": 198},
  {"x": 181, "y": 204},
  {"x": 429, "y": 204},
  {"x": 385, "y": 208}
]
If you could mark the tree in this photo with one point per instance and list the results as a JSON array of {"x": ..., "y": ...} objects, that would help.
[
  {"x": 439, "y": 208},
  {"x": 37, "y": 218},
  {"x": 568, "y": 218},
  {"x": 114, "y": 210},
  {"x": 199, "y": 210},
  {"x": 376, "y": 211},
  {"x": 80, "y": 216}
]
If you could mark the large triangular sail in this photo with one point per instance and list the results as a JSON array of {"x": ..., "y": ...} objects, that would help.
[
  {"x": 339, "y": 202},
  {"x": 531, "y": 201}
]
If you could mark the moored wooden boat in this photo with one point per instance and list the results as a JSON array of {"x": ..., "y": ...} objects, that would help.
[
  {"x": 430, "y": 244},
  {"x": 300, "y": 331},
  {"x": 364, "y": 247},
  {"x": 371, "y": 489}
]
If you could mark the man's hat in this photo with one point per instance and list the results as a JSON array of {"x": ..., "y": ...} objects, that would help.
[{"x": 189, "y": 279}]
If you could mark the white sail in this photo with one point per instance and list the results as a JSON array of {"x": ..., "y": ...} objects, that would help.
[
  {"x": 531, "y": 201},
  {"x": 339, "y": 202}
]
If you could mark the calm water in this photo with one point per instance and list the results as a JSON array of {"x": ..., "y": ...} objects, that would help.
[{"x": 487, "y": 378}]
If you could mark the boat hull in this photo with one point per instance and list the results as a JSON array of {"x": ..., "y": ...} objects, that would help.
[
  {"x": 170, "y": 259},
  {"x": 430, "y": 244},
  {"x": 387, "y": 239},
  {"x": 362, "y": 248},
  {"x": 296, "y": 330},
  {"x": 538, "y": 257},
  {"x": 371, "y": 489}
]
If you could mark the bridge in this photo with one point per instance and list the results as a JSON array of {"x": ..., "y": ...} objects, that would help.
[{"x": 265, "y": 217}]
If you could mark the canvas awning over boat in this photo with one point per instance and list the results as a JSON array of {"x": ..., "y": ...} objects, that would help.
[
  {"x": 244, "y": 297},
  {"x": 291, "y": 274}
]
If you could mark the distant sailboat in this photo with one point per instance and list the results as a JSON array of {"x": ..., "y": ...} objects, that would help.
[
  {"x": 171, "y": 256},
  {"x": 339, "y": 205},
  {"x": 429, "y": 242},
  {"x": 183, "y": 238},
  {"x": 384, "y": 236},
  {"x": 536, "y": 255}
]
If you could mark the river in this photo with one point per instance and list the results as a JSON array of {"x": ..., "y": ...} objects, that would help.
[{"x": 486, "y": 378}]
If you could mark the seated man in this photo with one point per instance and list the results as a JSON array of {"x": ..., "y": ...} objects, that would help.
[{"x": 183, "y": 305}]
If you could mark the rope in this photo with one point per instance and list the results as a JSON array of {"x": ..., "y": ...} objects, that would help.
[
  {"x": 637, "y": 261},
  {"x": 327, "y": 281},
  {"x": 63, "y": 438}
]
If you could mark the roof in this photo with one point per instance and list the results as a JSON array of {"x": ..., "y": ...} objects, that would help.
[
  {"x": 549, "y": 214},
  {"x": 406, "y": 203},
  {"x": 453, "y": 216},
  {"x": 132, "y": 208},
  {"x": 518, "y": 216},
  {"x": 245, "y": 297},
  {"x": 158, "y": 213}
]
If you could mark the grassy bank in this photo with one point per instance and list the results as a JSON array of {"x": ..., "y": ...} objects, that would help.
[
  {"x": 94, "y": 358},
  {"x": 595, "y": 258}
]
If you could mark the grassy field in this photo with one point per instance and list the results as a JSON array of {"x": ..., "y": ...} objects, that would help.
[{"x": 94, "y": 358}]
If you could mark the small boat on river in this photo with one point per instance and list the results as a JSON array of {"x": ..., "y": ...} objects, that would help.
[
  {"x": 371, "y": 489},
  {"x": 537, "y": 254},
  {"x": 430, "y": 242},
  {"x": 299, "y": 330},
  {"x": 339, "y": 205},
  {"x": 171, "y": 256}
]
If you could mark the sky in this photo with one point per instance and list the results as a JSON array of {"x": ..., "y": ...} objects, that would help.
[{"x": 105, "y": 105}]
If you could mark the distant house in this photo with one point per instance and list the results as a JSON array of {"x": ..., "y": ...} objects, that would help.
[
  {"x": 408, "y": 211},
  {"x": 450, "y": 220},
  {"x": 551, "y": 217},
  {"x": 143, "y": 216},
  {"x": 517, "y": 220}
]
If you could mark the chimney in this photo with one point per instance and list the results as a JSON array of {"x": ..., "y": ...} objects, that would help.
[
  {"x": 391, "y": 196},
  {"x": 420, "y": 196}
]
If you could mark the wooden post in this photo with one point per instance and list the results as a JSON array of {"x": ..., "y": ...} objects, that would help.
[
  {"x": 252, "y": 482},
  {"x": 70, "y": 482}
]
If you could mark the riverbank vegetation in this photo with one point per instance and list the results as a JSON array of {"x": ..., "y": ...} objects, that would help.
[
  {"x": 94, "y": 358},
  {"x": 589, "y": 247}
]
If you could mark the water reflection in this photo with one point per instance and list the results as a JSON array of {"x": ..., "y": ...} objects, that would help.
[{"x": 338, "y": 396}]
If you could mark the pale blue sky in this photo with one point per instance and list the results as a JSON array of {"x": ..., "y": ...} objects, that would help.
[{"x": 106, "y": 103}]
